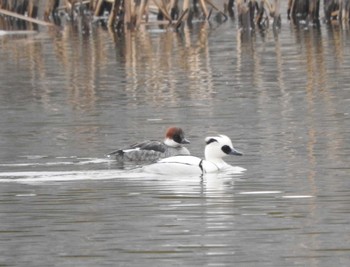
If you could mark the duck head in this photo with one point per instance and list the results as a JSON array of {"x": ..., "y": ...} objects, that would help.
[
  {"x": 218, "y": 147},
  {"x": 175, "y": 137}
]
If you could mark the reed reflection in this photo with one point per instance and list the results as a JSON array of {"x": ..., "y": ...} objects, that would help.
[
  {"x": 291, "y": 81},
  {"x": 157, "y": 67},
  {"x": 319, "y": 71},
  {"x": 83, "y": 58},
  {"x": 158, "y": 63}
]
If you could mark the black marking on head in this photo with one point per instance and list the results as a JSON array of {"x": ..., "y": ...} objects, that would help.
[
  {"x": 226, "y": 149},
  {"x": 178, "y": 137},
  {"x": 211, "y": 140}
]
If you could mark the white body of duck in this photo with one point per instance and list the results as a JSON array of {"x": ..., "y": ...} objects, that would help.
[
  {"x": 216, "y": 148},
  {"x": 151, "y": 150}
]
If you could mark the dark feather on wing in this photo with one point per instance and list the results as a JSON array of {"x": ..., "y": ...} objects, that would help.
[{"x": 150, "y": 145}]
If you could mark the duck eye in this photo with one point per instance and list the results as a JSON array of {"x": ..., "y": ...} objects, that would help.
[
  {"x": 226, "y": 149},
  {"x": 177, "y": 138}
]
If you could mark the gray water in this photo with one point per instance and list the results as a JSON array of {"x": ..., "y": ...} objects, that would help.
[{"x": 67, "y": 98}]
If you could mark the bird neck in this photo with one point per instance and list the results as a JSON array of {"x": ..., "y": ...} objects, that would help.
[
  {"x": 213, "y": 159},
  {"x": 171, "y": 142}
]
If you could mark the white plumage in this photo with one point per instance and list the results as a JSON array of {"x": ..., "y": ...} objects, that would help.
[{"x": 216, "y": 148}]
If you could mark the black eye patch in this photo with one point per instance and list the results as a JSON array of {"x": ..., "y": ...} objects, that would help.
[
  {"x": 211, "y": 140},
  {"x": 226, "y": 149},
  {"x": 178, "y": 138}
]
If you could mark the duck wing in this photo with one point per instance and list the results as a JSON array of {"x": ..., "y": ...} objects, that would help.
[
  {"x": 149, "y": 150},
  {"x": 149, "y": 145}
]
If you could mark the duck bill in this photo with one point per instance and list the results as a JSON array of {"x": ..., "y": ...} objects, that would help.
[
  {"x": 185, "y": 141},
  {"x": 235, "y": 152}
]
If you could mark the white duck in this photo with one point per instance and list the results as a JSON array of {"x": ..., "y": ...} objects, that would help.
[
  {"x": 216, "y": 148},
  {"x": 151, "y": 150}
]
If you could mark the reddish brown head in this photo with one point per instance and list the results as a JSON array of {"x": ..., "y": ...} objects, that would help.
[{"x": 177, "y": 135}]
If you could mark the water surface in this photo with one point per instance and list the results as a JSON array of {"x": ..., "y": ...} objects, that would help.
[{"x": 68, "y": 98}]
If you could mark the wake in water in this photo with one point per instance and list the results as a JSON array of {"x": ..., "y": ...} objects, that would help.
[
  {"x": 40, "y": 169},
  {"x": 60, "y": 161},
  {"x": 61, "y": 176}
]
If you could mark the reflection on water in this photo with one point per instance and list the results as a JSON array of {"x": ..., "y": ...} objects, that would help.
[{"x": 68, "y": 97}]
